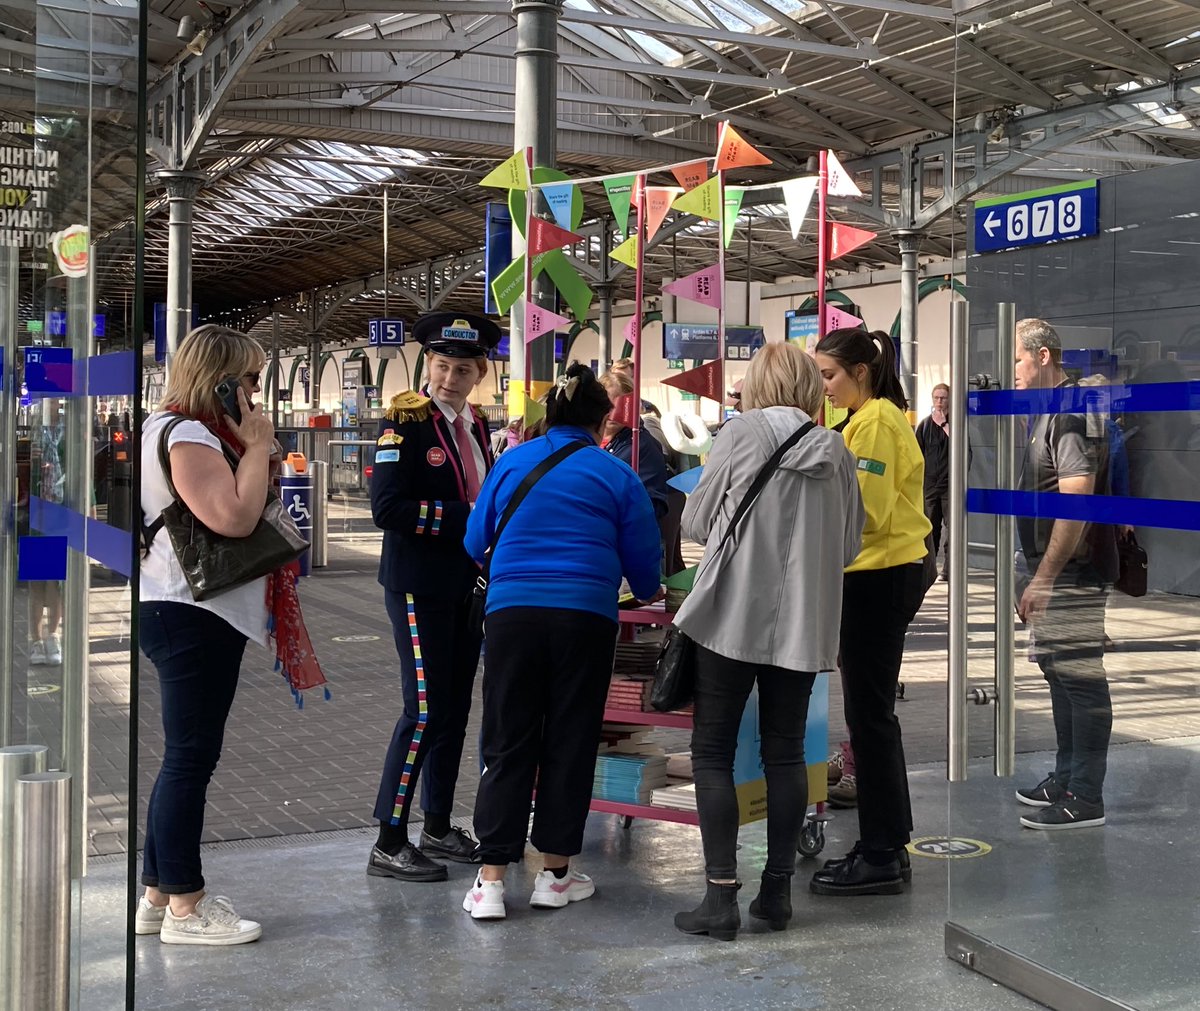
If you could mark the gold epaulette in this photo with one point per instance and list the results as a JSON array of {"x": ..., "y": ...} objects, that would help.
[{"x": 408, "y": 406}]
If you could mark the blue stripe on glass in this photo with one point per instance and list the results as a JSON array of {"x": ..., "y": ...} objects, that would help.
[
  {"x": 109, "y": 546},
  {"x": 1139, "y": 398},
  {"x": 106, "y": 544},
  {"x": 41, "y": 559},
  {"x": 1168, "y": 514},
  {"x": 112, "y": 375},
  {"x": 55, "y": 518}
]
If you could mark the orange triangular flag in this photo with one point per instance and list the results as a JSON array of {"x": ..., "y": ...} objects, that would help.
[
  {"x": 704, "y": 381},
  {"x": 658, "y": 202},
  {"x": 691, "y": 176},
  {"x": 546, "y": 235},
  {"x": 844, "y": 239},
  {"x": 734, "y": 151}
]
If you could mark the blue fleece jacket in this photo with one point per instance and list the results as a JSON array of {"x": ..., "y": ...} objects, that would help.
[{"x": 585, "y": 524}]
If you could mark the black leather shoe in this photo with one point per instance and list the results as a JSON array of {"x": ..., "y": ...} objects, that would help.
[
  {"x": 456, "y": 845},
  {"x": 902, "y": 858},
  {"x": 410, "y": 864},
  {"x": 854, "y": 876}
]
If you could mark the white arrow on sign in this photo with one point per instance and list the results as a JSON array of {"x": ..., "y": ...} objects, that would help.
[{"x": 991, "y": 223}]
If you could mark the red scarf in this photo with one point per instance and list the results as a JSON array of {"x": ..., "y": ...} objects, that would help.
[{"x": 294, "y": 655}]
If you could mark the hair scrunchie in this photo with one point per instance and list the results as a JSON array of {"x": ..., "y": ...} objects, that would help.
[{"x": 566, "y": 386}]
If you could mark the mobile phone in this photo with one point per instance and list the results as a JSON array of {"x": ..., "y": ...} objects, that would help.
[{"x": 226, "y": 391}]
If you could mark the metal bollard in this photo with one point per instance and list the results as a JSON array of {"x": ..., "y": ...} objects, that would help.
[
  {"x": 320, "y": 510},
  {"x": 41, "y": 929},
  {"x": 19, "y": 760}
]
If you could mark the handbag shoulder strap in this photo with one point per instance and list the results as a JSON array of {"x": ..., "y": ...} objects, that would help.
[
  {"x": 764, "y": 476},
  {"x": 532, "y": 478},
  {"x": 150, "y": 530}
]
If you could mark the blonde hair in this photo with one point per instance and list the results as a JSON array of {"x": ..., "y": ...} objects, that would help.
[
  {"x": 206, "y": 356},
  {"x": 617, "y": 382},
  {"x": 782, "y": 375}
]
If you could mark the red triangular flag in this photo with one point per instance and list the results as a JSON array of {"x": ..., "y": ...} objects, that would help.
[
  {"x": 704, "y": 381},
  {"x": 734, "y": 151},
  {"x": 691, "y": 176},
  {"x": 844, "y": 239},
  {"x": 546, "y": 235},
  {"x": 625, "y": 410}
]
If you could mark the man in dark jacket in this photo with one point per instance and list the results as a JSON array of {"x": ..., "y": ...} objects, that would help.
[
  {"x": 431, "y": 456},
  {"x": 933, "y": 436}
]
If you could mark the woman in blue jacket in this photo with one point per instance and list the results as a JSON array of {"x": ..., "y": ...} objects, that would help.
[{"x": 551, "y": 631}]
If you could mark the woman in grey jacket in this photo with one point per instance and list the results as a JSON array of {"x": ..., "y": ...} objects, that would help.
[{"x": 765, "y": 609}]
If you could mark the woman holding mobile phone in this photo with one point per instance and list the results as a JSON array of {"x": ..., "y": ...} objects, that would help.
[{"x": 197, "y": 646}]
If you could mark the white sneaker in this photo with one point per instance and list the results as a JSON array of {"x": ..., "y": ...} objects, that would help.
[
  {"x": 213, "y": 922},
  {"x": 37, "y": 653},
  {"x": 149, "y": 918},
  {"x": 550, "y": 892},
  {"x": 53, "y": 651},
  {"x": 485, "y": 900}
]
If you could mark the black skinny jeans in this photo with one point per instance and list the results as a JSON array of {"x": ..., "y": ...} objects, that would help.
[
  {"x": 197, "y": 655},
  {"x": 722, "y": 687},
  {"x": 877, "y": 607}
]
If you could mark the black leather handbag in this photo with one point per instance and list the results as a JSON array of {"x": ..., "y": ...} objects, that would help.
[
  {"x": 212, "y": 563},
  {"x": 478, "y": 602},
  {"x": 675, "y": 672},
  {"x": 1133, "y": 565}
]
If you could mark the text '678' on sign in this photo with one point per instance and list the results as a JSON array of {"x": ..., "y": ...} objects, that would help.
[{"x": 1028, "y": 219}]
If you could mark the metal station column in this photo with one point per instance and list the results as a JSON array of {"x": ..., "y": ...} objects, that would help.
[
  {"x": 909, "y": 268},
  {"x": 182, "y": 188},
  {"x": 535, "y": 125}
]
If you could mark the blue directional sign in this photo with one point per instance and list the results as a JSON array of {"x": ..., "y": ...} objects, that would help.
[
  {"x": 385, "y": 333},
  {"x": 49, "y": 371},
  {"x": 1029, "y": 219}
]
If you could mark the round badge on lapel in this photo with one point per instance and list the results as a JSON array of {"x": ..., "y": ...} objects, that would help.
[{"x": 435, "y": 457}]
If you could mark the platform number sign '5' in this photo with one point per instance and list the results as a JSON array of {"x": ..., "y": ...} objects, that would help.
[
  {"x": 1027, "y": 219},
  {"x": 385, "y": 332}
]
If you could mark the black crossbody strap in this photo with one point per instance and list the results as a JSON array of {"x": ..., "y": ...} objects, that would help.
[
  {"x": 764, "y": 476},
  {"x": 532, "y": 478}
]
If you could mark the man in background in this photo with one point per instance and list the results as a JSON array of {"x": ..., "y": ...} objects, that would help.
[{"x": 933, "y": 436}]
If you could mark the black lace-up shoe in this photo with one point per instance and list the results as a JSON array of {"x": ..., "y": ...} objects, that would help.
[
  {"x": 410, "y": 864},
  {"x": 456, "y": 845},
  {"x": 1070, "y": 812},
  {"x": 854, "y": 876},
  {"x": 1047, "y": 792},
  {"x": 902, "y": 858}
]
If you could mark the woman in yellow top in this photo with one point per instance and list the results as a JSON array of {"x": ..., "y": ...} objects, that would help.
[{"x": 881, "y": 591}]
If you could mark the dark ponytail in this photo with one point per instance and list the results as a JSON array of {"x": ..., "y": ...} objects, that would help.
[
  {"x": 578, "y": 399},
  {"x": 854, "y": 346}
]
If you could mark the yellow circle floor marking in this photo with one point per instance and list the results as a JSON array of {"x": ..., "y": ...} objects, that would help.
[
  {"x": 355, "y": 638},
  {"x": 940, "y": 847},
  {"x": 36, "y": 690}
]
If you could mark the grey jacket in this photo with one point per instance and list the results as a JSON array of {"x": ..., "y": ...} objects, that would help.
[{"x": 773, "y": 594}]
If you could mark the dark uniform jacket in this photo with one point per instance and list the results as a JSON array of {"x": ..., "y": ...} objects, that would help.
[{"x": 419, "y": 499}]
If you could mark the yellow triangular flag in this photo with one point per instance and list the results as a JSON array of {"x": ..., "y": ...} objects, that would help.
[
  {"x": 703, "y": 201},
  {"x": 509, "y": 175},
  {"x": 516, "y": 399},
  {"x": 534, "y": 412},
  {"x": 626, "y": 252}
]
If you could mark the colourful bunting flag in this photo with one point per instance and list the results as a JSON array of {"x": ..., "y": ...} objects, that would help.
[
  {"x": 620, "y": 192},
  {"x": 837, "y": 319},
  {"x": 509, "y": 285},
  {"x": 509, "y": 175},
  {"x": 734, "y": 151},
  {"x": 701, "y": 201},
  {"x": 540, "y": 321},
  {"x": 797, "y": 196},
  {"x": 704, "y": 287},
  {"x": 626, "y": 252},
  {"x": 561, "y": 199},
  {"x": 568, "y": 282},
  {"x": 658, "y": 202},
  {"x": 625, "y": 411},
  {"x": 839, "y": 182},
  {"x": 733, "y": 206},
  {"x": 691, "y": 176},
  {"x": 704, "y": 381},
  {"x": 844, "y": 239},
  {"x": 687, "y": 481},
  {"x": 633, "y": 332},
  {"x": 545, "y": 235}
]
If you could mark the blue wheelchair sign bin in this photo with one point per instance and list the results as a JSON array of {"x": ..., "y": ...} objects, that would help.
[
  {"x": 1036, "y": 217},
  {"x": 296, "y": 490}
]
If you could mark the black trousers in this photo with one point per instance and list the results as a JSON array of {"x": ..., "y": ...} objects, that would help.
[
  {"x": 722, "y": 687},
  {"x": 546, "y": 676},
  {"x": 937, "y": 509},
  {"x": 438, "y": 657},
  {"x": 877, "y": 606}
]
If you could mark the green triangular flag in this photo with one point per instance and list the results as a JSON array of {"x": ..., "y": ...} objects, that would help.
[
  {"x": 570, "y": 285},
  {"x": 681, "y": 580},
  {"x": 509, "y": 285},
  {"x": 733, "y": 205},
  {"x": 620, "y": 192}
]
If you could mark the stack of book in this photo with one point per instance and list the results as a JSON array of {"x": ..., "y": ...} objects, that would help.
[
  {"x": 680, "y": 797},
  {"x": 629, "y": 693},
  {"x": 628, "y": 778}
]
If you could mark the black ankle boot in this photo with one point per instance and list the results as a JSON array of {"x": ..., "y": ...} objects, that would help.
[
  {"x": 717, "y": 916},
  {"x": 774, "y": 902}
]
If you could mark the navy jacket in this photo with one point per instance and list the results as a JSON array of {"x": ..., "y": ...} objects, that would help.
[
  {"x": 419, "y": 499},
  {"x": 652, "y": 465}
]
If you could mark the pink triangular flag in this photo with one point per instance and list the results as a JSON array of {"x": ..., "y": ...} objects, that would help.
[
  {"x": 844, "y": 239},
  {"x": 840, "y": 183},
  {"x": 836, "y": 319},
  {"x": 658, "y": 202},
  {"x": 632, "y": 331},
  {"x": 704, "y": 287},
  {"x": 540, "y": 321},
  {"x": 546, "y": 235}
]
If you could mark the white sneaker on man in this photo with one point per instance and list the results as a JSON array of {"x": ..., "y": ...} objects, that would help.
[
  {"x": 485, "y": 900},
  {"x": 214, "y": 922},
  {"x": 37, "y": 653},
  {"x": 550, "y": 892},
  {"x": 53, "y": 650},
  {"x": 149, "y": 918}
]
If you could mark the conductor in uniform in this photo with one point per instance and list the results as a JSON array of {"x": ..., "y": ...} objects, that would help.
[{"x": 431, "y": 456}]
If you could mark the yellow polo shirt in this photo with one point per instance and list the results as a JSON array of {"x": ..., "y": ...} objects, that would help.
[{"x": 891, "y": 476}]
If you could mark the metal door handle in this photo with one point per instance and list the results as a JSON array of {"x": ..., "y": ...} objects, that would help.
[
  {"x": 1005, "y": 725},
  {"x": 956, "y": 687}
]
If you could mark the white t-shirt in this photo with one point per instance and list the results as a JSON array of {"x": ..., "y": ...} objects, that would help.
[{"x": 245, "y": 608}]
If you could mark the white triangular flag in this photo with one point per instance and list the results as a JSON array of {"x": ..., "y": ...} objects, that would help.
[
  {"x": 797, "y": 195},
  {"x": 840, "y": 183}
]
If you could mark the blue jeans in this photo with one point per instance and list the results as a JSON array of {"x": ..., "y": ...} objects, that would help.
[{"x": 197, "y": 656}]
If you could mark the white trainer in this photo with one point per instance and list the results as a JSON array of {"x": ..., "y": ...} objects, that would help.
[
  {"x": 149, "y": 918},
  {"x": 485, "y": 900},
  {"x": 214, "y": 922},
  {"x": 54, "y": 650},
  {"x": 550, "y": 892},
  {"x": 37, "y": 653}
]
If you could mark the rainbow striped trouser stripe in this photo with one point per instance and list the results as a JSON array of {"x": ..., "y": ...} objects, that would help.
[{"x": 422, "y": 714}]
